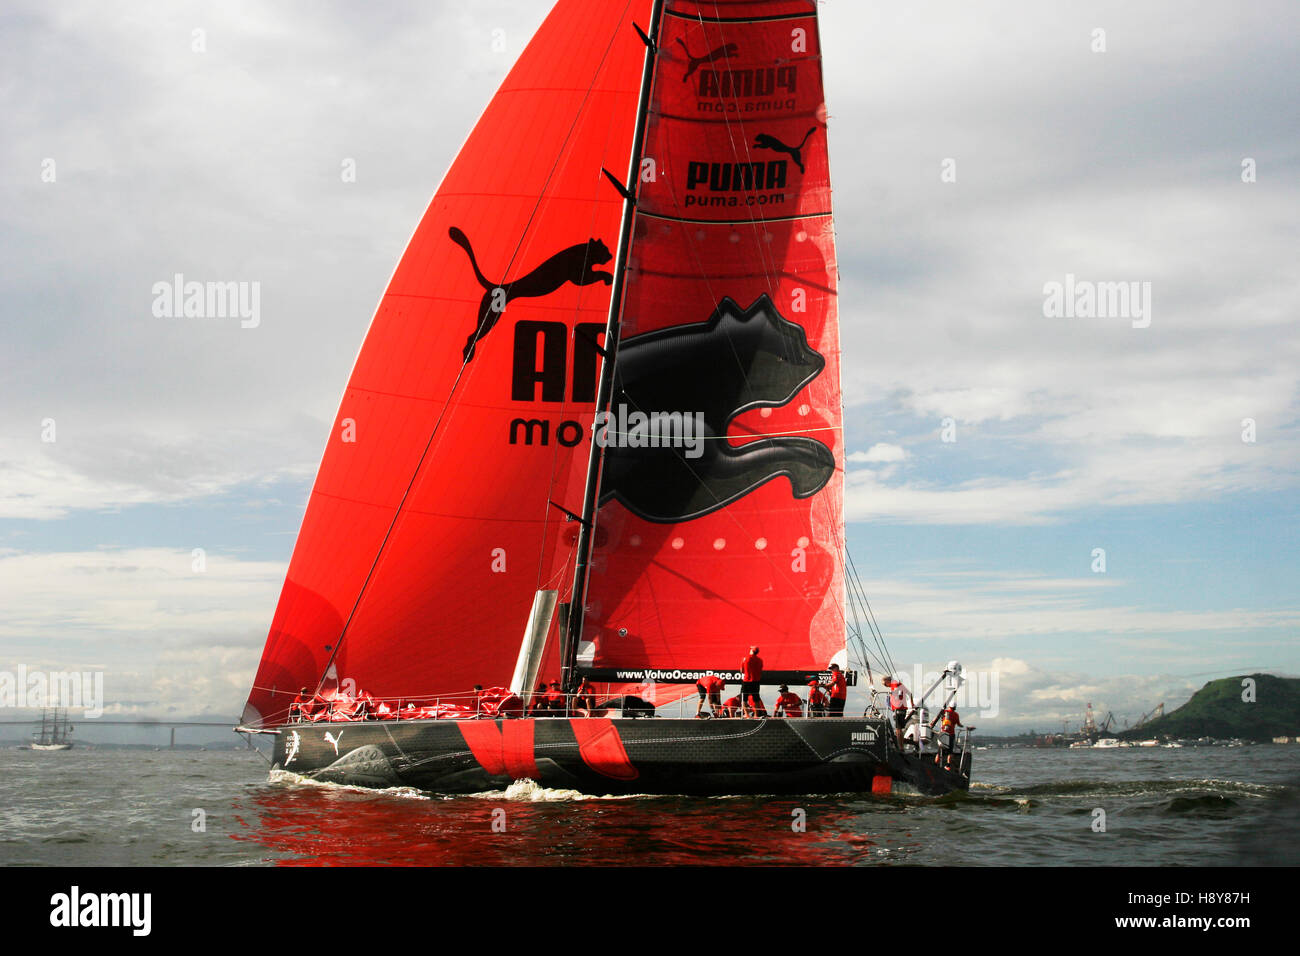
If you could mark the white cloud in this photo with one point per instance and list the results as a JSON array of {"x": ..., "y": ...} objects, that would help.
[
  {"x": 974, "y": 608},
  {"x": 879, "y": 452},
  {"x": 168, "y": 639}
]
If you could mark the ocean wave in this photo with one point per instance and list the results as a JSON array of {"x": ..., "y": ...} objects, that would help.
[
  {"x": 1144, "y": 788},
  {"x": 289, "y": 778},
  {"x": 530, "y": 791}
]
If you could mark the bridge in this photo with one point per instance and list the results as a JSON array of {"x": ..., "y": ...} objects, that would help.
[{"x": 159, "y": 724}]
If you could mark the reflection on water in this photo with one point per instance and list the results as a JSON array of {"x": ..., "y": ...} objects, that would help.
[{"x": 339, "y": 825}]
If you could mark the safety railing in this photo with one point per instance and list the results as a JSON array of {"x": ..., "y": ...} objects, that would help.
[{"x": 550, "y": 704}]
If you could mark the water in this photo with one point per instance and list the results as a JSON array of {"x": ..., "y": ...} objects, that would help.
[{"x": 1163, "y": 807}]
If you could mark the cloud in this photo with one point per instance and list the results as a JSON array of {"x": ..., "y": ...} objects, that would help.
[
  {"x": 879, "y": 452},
  {"x": 1120, "y": 166},
  {"x": 169, "y": 639},
  {"x": 978, "y": 607}
]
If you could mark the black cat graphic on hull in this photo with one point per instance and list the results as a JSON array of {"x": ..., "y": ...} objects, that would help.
[
  {"x": 736, "y": 360},
  {"x": 574, "y": 264}
]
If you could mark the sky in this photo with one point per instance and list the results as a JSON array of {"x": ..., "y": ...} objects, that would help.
[{"x": 999, "y": 449}]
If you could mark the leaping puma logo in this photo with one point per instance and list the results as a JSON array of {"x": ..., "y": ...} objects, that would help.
[
  {"x": 574, "y": 264},
  {"x": 330, "y": 738},
  {"x": 736, "y": 360},
  {"x": 721, "y": 53},
  {"x": 768, "y": 141}
]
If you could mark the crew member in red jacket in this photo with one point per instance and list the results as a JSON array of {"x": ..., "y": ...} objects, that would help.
[
  {"x": 731, "y": 707},
  {"x": 301, "y": 708},
  {"x": 899, "y": 700},
  {"x": 751, "y": 683},
  {"x": 555, "y": 700},
  {"x": 816, "y": 700},
  {"x": 839, "y": 691},
  {"x": 788, "y": 704},
  {"x": 710, "y": 686}
]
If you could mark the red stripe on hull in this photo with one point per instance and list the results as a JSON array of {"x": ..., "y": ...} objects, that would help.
[
  {"x": 484, "y": 741},
  {"x": 602, "y": 748},
  {"x": 517, "y": 749},
  {"x": 502, "y": 749},
  {"x": 882, "y": 784}
]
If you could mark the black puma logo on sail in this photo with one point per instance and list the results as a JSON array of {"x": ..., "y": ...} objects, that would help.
[
  {"x": 736, "y": 360},
  {"x": 768, "y": 141},
  {"x": 721, "y": 53},
  {"x": 574, "y": 264}
]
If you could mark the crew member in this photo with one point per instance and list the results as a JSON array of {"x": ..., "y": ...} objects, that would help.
[
  {"x": 839, "y": 691},
  {"x": 949, "y": 722},
  {"x": 584, "y": 701},
  {"x": 555, "y": 699},
  {"x": 816, "y": 700},
  {"x": 300, "y": 709},
  {"x": 788, "y": 704},
  {"x": 539, "y": 703},
  {"x": 751, "y": 682},
  {"x": 899, "y": 700},
  {"x": 710, "y": 686},
  {"x": 731, "y": 707}
]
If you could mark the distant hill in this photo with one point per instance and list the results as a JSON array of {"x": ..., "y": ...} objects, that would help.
[{"x": 1217, "y": 710}]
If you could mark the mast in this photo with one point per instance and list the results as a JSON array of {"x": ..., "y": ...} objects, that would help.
[{"x": 592, "y": 490}]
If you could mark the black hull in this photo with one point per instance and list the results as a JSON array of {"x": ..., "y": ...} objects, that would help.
[{"x": 602, "y": 756}]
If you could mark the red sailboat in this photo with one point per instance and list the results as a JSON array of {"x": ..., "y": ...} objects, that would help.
[{"x": 598, "y": 407}]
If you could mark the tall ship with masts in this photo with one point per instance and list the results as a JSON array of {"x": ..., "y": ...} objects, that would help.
[
  {"x": 55, "y": 732},
  {"x": 594, "y": 437}
]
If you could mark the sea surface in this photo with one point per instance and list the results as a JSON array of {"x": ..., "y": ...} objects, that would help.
[{"x": 1206, "y": 806}]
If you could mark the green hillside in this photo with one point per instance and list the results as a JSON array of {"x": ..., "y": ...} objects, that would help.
[{"x": 1217, "y": 710}]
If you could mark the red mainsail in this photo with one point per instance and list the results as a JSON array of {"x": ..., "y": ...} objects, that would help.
[
  {"x": 429, "y": 527},
  {"x": 732, "y": 534}
]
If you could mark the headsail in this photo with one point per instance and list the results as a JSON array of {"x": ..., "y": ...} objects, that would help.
[
  {"x": 429, "y": 527},
  {"x": 722, "y": 498}
]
